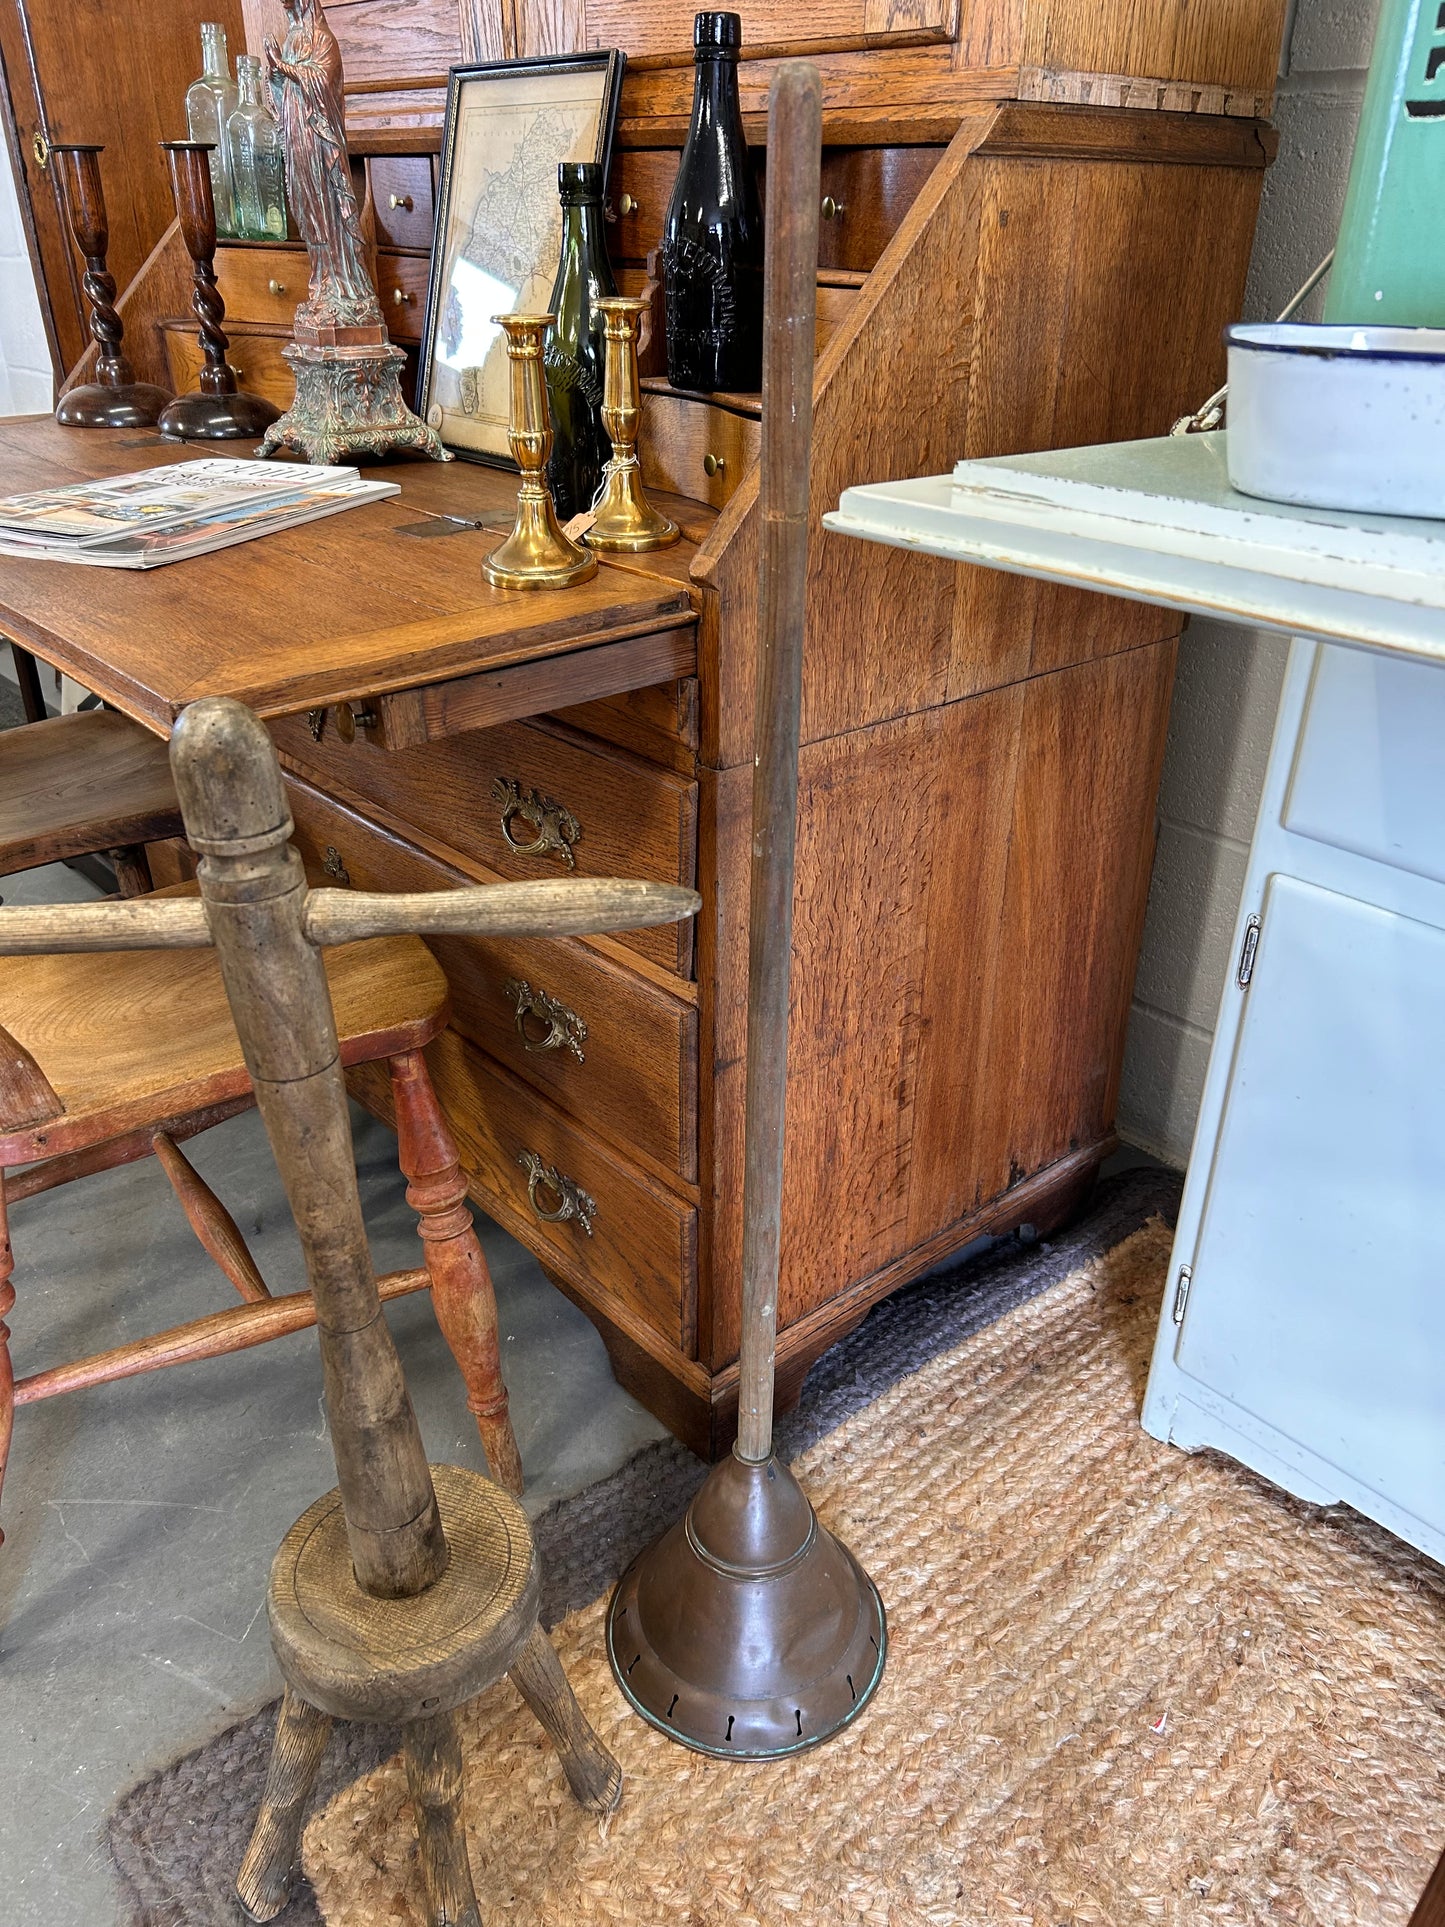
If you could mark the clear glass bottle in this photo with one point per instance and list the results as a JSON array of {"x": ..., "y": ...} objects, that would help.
[
  {"x": 712, "y": 239},
  {"x": 258, "y": 170},
  {"x": 574, "y": 354},
  {"x": 210, "y": 103}
]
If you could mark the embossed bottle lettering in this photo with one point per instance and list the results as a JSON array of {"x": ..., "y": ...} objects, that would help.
[{"x": 712, "y": 253}]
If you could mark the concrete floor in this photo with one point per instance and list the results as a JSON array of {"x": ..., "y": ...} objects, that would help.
[{"x": 141, "y": 1517}]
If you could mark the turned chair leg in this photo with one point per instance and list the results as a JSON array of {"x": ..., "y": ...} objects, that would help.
[
  {"x": 296, "y": 1752},
  {"x": 7, "y": 1370},
  {"x": 462, "y": 1294},
  {"x": 433, "y": 1755},
  {"x": 593, "y": 1775}
]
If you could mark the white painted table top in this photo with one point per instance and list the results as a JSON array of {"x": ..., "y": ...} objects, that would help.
[{"x": 1156, "y": 521}]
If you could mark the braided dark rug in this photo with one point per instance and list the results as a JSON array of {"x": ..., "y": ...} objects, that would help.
[{"x": 177, "y": 1839}]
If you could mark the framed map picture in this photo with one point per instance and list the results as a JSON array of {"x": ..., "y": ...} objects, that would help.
[{"x": 499, "y": 226}]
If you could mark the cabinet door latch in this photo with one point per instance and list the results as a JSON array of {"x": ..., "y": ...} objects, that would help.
[
  {"x": 1246, "y": 953},
  {"x": 1181, "y": 1292}
]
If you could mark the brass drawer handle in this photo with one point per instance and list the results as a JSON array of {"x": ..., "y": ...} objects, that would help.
[
  {"x": 400, "y": 297},
  {"x": 575, "y": 1205},
  {"x": 402, "y": 201},
  {"x": 832, "y": 210},
  {"x": 276, "y": 287},
  {"x": 351, "y": 717},
  {"x": 552, "y": 826},
  {"x": 627, "y": 205},
  {"x": 334, "y": 865},
  {"x": 564, "y": 1028},
  {"x": 713, "y": 465}
]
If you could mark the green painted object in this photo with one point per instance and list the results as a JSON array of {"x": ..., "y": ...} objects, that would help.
[{"x": 1390, "y": 256}]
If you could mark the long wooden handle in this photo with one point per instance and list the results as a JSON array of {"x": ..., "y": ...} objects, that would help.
[
  {"x": 574, "y": 907},
  {"x": 795, "y": 125}
]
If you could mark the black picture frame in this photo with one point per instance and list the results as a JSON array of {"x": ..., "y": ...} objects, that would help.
[{"x": 504, "y": 259}]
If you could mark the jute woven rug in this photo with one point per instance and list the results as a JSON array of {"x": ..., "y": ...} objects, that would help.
[{"x": 1123, "y": 1686}]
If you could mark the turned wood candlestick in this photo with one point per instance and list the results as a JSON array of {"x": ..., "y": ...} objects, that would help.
[
  {"x": 220, "y": 411},
  {"x": 115, "y": 399}
]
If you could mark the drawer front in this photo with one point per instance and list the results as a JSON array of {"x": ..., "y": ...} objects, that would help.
[
  {"x": 261, "y": 284},
  {"x": 866, "y": 193},
  {"x": 527, "y": 800},
  {"x": 607, "y": 1046},
  {"x": 638, "y": 192},
  {"x": 695, "y": 448},
  {"x": 622, "y": 1239},
  {"x": 256, "y": 359},
  {"x": 401, "y": 281},
  {"x": 401, "y": 192},
  {"x": 660, "y": 723}
]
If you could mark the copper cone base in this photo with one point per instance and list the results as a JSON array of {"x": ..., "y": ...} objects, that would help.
[{"x": 747, "y": 1631}]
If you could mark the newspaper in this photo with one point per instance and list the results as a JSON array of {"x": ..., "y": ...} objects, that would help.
[{"x": 160, "y": 515}]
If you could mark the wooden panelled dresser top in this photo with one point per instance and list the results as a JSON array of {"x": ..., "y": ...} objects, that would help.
[{"x": 1039, "y": 215}]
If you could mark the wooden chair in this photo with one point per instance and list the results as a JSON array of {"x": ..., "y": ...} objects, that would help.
[
  {"x": 74, "y": 785},
  {"x": 109, "y": 1057}
]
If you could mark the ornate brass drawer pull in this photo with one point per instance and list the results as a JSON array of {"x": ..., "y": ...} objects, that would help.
[
  {"x": 575, "y": 1204},
  {"x": 334, "y": 866},
  {"x": 552, "y": 826},
  {"x": 564, "y": 1028}
]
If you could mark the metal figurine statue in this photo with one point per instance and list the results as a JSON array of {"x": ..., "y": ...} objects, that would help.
[{"x": 347, "y": 398}]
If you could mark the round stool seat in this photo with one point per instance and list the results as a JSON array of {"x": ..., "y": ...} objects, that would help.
[{"x": 361, "y": 1658}]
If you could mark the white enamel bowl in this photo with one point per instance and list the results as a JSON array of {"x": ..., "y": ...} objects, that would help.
[{"x": 1338, "y": 417}]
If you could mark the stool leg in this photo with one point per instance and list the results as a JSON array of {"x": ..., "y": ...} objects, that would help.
[
  {"x": 434, "y": 1774},
  {"x": 593, "y": 1775},
  {"x": 466, "y": 1308},
  {"x": 265, "y": 1877},
  {"x": 7, "y": 1370}
]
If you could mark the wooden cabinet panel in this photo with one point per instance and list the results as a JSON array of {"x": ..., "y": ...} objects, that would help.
[
  {"x": 256, "y": 358},
  {"x": 693, "y": 447},
  {"x": 866, "y": 193},
  {"x": 395, "y": 39},
  {"x": 261, "y": 283},
  {"x": 401, "y": 289},
  {"x": 639, "y": 1251},
  {"x": 665, "y": 27},
  {"x": 632, "y": 1075},
  {"x": 401, "y": 191},
  {"x": 613, "y": 814}
]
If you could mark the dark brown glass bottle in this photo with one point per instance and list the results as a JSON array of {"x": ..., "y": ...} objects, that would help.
[
  {"x": 712, "y": 240},
  {"x": 573, "y": 356}
]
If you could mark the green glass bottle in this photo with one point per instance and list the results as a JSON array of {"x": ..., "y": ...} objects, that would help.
[
  {"x": 1389, "y": 265},
  {"x": 574, "y": 354}
]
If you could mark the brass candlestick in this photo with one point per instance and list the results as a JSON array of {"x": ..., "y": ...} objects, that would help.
[
  {"x": 626, "y": 520},
  {"x": 115, "y": 399},
  {"x": 220, "y": 411},
  {"x": 536, "y": 555}
]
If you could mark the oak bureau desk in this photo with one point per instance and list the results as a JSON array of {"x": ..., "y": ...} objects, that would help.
[{"x": 1038, "y": 220}]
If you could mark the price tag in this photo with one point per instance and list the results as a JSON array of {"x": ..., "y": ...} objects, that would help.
[{"x": 578, "y": 526}]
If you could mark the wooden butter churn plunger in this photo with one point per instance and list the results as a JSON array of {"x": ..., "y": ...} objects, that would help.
[
  {"x": 409, "y": 1588},
  {"x": 748, "y": 1630}
]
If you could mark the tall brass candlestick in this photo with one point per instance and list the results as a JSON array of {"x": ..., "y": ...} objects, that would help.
[
  {"x": 536, "y": 555},
  {"x": 626, "y": 520}
]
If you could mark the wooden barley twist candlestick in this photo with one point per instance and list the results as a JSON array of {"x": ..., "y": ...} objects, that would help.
[
  {"x": 115, "y": 399},
  {"x": 536, "y": 555},
  {"x": 409, "y": 1588},
  {"x": 625, "y": 522},
  {"x": 221, "y": 411}
]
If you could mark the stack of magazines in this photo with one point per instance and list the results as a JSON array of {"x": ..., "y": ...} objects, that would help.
[{"x": 182, "y": 509}]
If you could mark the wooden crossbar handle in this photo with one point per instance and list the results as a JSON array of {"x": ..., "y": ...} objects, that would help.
[
  {"x": 42, "y": 929},
  {"x": 571, "y": 907}
]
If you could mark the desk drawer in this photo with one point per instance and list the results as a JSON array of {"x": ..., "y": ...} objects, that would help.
[
  {"x": 256, "y": 359},
  {"x": 695, "y": 448},
  {"x": 401, "y": 191},
  {"x": 401, "y": 289},
  {"x": 620, "y": 1238},
  {"x": 527, "y": 800},
  {"x": 629, "y": 1072},
  {"x": 638, "y": 191},
  {"x": 866, "y": 192},
  {"x": 261, "y": 283}
]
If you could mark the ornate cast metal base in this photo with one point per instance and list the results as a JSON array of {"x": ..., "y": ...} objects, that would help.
[
  {"x": 199, "y": 417},
  {"x": 130, "y": 404},
  {"x": 747, "y": 1631},
  {"x": 348, "y": 403}
]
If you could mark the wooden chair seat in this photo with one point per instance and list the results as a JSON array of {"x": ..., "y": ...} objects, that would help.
[
  {"x": 130, "y": 1037},
  {"x": 75, "y": 784}
]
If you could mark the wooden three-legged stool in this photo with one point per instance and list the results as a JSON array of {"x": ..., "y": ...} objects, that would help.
[{"x": 399, "y": 1595}]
